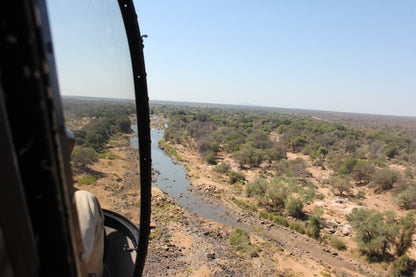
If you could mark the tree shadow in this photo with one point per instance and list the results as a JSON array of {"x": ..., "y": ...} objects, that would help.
[
  {"x": 94, "y": 173},
  {"x": 411, "y": 268},
  {"x": 302, "y": 216}
]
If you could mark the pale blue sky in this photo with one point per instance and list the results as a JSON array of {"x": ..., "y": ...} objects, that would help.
[
  {"x": 91, "y": 50},
  {"x": 353, "y": 56},
  {"x": 338, "y": 55}
]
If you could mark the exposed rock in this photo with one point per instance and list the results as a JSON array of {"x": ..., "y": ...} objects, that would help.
[
  {"x": 329, "y": 223},
  {"x": 345, "y": 230},
  {"x": 320, "y": 204}
]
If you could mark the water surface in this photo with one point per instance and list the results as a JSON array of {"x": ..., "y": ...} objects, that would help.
[{"x": 172, "y": 180}]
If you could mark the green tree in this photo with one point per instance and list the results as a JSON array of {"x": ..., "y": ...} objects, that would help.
[
  {"x": 79, "y": 137},
  {"x": 298, "y": 143},
  {"x": 323, "y": 151},
  {"x": 240, "y": 238},
  {"x": 349, "y": 164},
  {"x": 276, "y": 153},
  {"x": 362, "y": 172},
  {"x": 375, "y": 231},
  {"x": 95, "y": 140},
  {"x": 406, "y": 199},
  {"x": 277, "y": 192},
  {"x": 341, "y": 185},
  {"x": 248, "y": 155},
  {"x": 83, "y": 156},
  {"x": 124, "y": 125},
  {"x": 243, "y": 155},
  {"x": 257, "y": 157}
]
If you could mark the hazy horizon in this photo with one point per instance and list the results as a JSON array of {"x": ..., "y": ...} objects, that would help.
[{"x": 236, "y": 105}]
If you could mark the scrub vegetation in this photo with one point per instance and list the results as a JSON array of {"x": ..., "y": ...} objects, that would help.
[
  {"x": 355, "y": 153},
  {"x": 95, "y": 123}
]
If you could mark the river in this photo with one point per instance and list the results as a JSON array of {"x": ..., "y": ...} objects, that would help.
[{"x": 172, "y": 180}]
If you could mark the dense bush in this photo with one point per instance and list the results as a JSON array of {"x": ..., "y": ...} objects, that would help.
[
  {"x": 241, "y": 240},
  {"x": 235, "y": 177},
  {"x": 401, "y": 266},
  {"x": 280, "y": 220},
  {"x": 406, "y": 232},
  {"x": 294, "y": 206},
  {"x": 315, "y": 225},
  {"x": 385, "y": 178},
  {"x": 338, "y": 243},
  {"x": 222, "y": 168},
  {"x": 362, "y": 172},
  {"x": 374, "y": 231},
  {"x": 297, "y": 226},
  {"x": 406, "y": 199},
  {"x": 377, "y": 233},
  {"x": 210, "y": 158},
  {"x": 277, "y": 192},
  {"x": 274, "y": 193},
  {"x": 257, "y": 188}
]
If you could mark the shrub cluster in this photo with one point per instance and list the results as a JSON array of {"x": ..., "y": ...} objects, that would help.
[
  {"x": 276, "y": 194},
  {"x": 104, "y": 120}
]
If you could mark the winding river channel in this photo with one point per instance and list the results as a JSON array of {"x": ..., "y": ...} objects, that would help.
[{"x": 171, "y": 179}]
